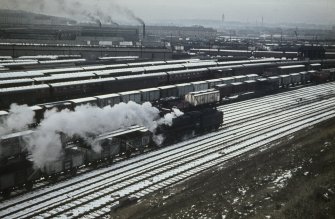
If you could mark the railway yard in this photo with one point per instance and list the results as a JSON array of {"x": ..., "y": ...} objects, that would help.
[
  {"x": 248, "y": 126},
  {"x": 101, "y": 120}
]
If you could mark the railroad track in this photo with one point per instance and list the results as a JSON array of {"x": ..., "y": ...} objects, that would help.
[
  {"x": 280, "y": 99},
  {"x": 175, "y": 164},
  {"x": 98, "y": 191}
]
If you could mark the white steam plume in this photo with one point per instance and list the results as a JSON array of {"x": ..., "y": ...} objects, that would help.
[
  {"x": 18, "y": 119},
  {"x": 45, "y": 145}
]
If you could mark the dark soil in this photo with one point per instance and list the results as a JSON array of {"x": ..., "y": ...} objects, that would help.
[{"x": 295, "y": 178}]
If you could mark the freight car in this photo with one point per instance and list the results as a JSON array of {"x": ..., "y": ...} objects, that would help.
[
  {"x": 76, "y": 153},
  {"x": 227, "y": 87},
  {"x": 77, "y": 89},
  {"x": 12, "y": 146},
  {"x": 17, "y": 175}
]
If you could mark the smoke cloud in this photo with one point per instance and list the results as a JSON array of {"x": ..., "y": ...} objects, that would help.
[
  {"x": 18, "y": 119},
  {"x": 86, "y": 121},
  {"x": 103, "y": 11}
]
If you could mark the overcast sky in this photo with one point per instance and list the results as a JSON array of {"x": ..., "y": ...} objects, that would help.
[
  {"x": 273, "y": 11},
  {"x": 310, "y": 11}
]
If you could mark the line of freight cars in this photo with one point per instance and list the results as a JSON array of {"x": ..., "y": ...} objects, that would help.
[
  {"x": 17, "y": 168},
  {"x": 35, "y": 94},
  {"x": 101, "y": 71},
  {"x": 138, "y": 96},
  {"x": 257, "y": 54},
  {"x": 16, "y": 79},
  {"x": 16, "y": 171},
  {"x": 228, "y": 86},
  {"x": 36, "y": 64},
  {"x": 104, "y": 71}
]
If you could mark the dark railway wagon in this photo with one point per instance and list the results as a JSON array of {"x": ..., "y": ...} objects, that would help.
[
  {"x": 30, "y": 95},
  {"x": 137, "y": 82},
  {"x": 187, "y": 75}
]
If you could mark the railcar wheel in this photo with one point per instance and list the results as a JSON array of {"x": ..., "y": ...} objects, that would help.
[
  {"x": 54, "y": 178},
  {"x": 6, "y": 193},
  {"x": 128, "y": 153},
  {"x": 73, "y": 172},
  {"x": 111, "y": 160},
  {"x": 29, "y": 186}
]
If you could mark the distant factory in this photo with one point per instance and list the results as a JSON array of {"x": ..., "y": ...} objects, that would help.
[
  {"x": 175, "y": 33},
  {"x": 10, "y": 17},
  {"x": 20, "y": 26}
]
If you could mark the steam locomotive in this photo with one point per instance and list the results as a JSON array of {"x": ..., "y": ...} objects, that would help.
[{"x": 17, "y": 168}]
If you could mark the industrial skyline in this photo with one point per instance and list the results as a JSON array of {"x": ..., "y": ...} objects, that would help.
[{"x": 273, "y": 11}]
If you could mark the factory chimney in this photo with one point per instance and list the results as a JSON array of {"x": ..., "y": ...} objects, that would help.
[{"x": 143, "y": 30}]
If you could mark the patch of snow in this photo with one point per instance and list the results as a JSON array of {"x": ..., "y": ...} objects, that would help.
[
  {"x": 242, "y": 191},
  {"x": 281, "y": 180},
  {"x": 235, "y": 200}
]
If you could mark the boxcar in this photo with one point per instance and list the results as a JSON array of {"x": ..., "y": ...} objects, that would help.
[
  {"x": 108, "y": 100},
  {"x": 24, "y": 95},
  {"x": 225, "y": 90},
  {"x": 13, "y": 145},
  {"x": 200, "y": 85},
  {"x": 137, "y": 82},
  {"x": 127, "y": 96},
  {"x": 150, "y": 95},
  {"x": 188, "y": 75},
  {"x": 184, "y": 89}
]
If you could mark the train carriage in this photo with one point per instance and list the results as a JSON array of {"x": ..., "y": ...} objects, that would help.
[
  {"x": 187, "y": 75},
  {"x": 221, "y": 71},
  {"x": 213, "y": 82},
  {"x": 228, "y": 80},
  {"x": 16, "y": 82},
  {"x": 168, "y": 91},
  {"x": 200, "y": 85},
  {"x": 3, "y": 116},
  {"x": 150, "y": 95},
  {"x": 184, "y": 89},
  {"x": 91, "y": 101},
  {"x": 108, "y": 100},
  {"x": 295, "y": 78},
  {"x": 238, "y": 88},
  {"x": 12, "y": 146},
  {"x": 75, "y": 89},
  {"x": 305, "y": 77},
  {"x": 276, "y": 81},
  {"x": 284, "y": 70},
  {"x": 137, "y": 82},
  {"x": 16, "y": 175},
  {"x": 70, "y": 161},
  {"x": 120, "y": 72},
  {"x": 285, "y": 80},
  {"x": 30, "y": 95},
  {"x": 240, "y": 78},
  {"x": 134, "y": 96},
  {"x": 225, "y": 90},
  {"x": 251, "y": 85}
]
